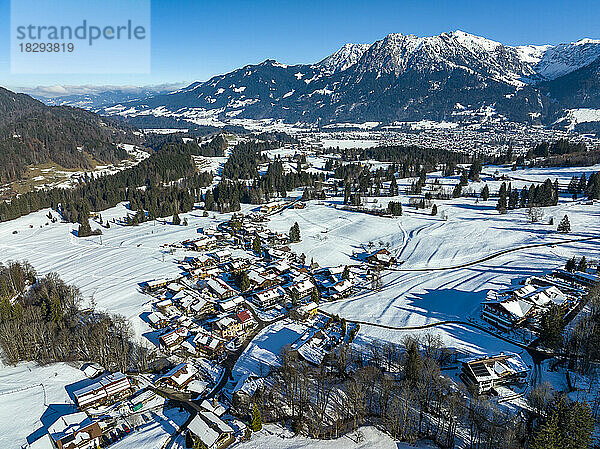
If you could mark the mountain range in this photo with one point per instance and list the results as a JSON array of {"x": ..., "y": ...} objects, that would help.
[{"x": 453, "y": 76}]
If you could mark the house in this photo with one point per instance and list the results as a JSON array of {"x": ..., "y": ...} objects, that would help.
[
  {"x": 232, "y": 304},
  {"x": 75, "y": 431},
  {"x": 173, "y": 338},
  {"x": 227, "y": 327},
  {"x": 201, "y": 307},
  {"x": 204, "y": 243},
  {"x": 268, "y": 298},
  {"x": 485, "y": 373},
  {"x": 179, "y": 376},
  {"x": 306, "y": 311},
  {"x": 210, "y": 430},
  {"x": 208, "y": 345},
  {"x": 340, "y": 289},
  {"x": 106, "y": 390},
  {"x": 157, "y": 320},
  {"x": 155, "y": 284},
  {"x": 271, "y": 207},
  {"x": 245, "y": 319},
  {"x": 92, "y": 370},
  {"x": 222, "y": 256},
  {"x": 508, "y": 308},
  {"x": 220, "y": 288},
  {"x": 302, "y": 288},
  {"x": 578, "y": 277},
  {"x": 381, "y": 257}
]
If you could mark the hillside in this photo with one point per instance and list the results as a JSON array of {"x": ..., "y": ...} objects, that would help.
[{"x": 32, "y": 133}]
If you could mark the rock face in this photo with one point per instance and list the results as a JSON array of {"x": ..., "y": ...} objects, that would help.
[{"x": 451, "y": 76}]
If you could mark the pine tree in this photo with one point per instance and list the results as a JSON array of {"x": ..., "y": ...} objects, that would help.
[
  {"x": 564, "y": 227},
  {"x": 85, "y": 229},
  {"x": 256, "y": 422},
  {"x": 582, "y": 265},
  {"x": 314, "y": 296},
  {"x": 412, "y": 363},
  {"x": 346, "y": 273},
  {"x": 176, "y": 219},
  {"x": 485, "y": 193},
  {"x": 256, "y": 245},
  {"x": 393, "y": 187},
  {"x": 571, "y": 265},
  {"x": 434, "y": 210},
  {"x": 295, "y": 233}
]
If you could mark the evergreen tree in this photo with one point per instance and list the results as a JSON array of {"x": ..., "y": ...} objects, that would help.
[
  {"x": 412, "y": 362},
  {"x": 582, "y": 265},
  {"x": 176, "y": 219},
  {"x": 346, "y": 273},
  {"x": 256, "y": 422},
  {"x": 551, "y": 327},
  {"x": 571, "y": 265},
  {"x": 314, "y": 296},
  {"x": 393, "y": 187},
  {"x": 564, "y": 227},
  {"x": 295, "y": 233},
  {"x": 434, "y": 210},
  {"x": 85, "y": 229},
  {"x": 256, "y": 245},
  {"x": 485, "y": 193}
]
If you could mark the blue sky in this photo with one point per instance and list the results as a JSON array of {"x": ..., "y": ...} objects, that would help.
[{"x": 197, "y": 39}]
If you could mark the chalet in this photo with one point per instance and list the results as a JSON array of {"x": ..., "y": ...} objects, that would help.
[
  {"x": 208, "y": 345},
  {"x": 258, "y": 280},
  {"x": 485, "y": 373},
  {"x": 139, "y": 401},
  {"x": 578, "y": 277},
  {"x": 174, "y": 288},
  {"x": 302, "y": 288},
  {"x": 105, "y": 390},
  {"x": 227, "y": 327},
  {"x": 157, "y": 320},
  {"x": 179, "y": 376},
  {"x": 340, "y": 289},
  {"x": 220, "y": 288},
  {"x": 271, "y": 207},
  {"x": 381, "y": 257},
  {"x": 173, "y": 338},
  {"x": 305, "y": 311},
  {"x": 205, "y": 243},
  {"x": 222, "y": 256},
  {"x": 245, "y": 319},
  {"x": 268, "y": 298},
  {"x": 508, "y": 308},
  {"x": 155, "y": 284},
  {"x": 231, "y": 304},
  {"x": 75, "y": 431},
  {"x": 201, "y": 307},
  {"x": 210, "y": 430},
  {"x": 204, "y": 272}
]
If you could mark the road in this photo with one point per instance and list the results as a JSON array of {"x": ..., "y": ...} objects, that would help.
[{"x": 193, "y": 406}]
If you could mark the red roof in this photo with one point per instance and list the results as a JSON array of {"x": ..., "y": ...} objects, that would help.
[{"x": 244, "y": 316}]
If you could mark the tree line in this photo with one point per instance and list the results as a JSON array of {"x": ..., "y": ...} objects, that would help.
[{"x": 41, "y": 320}]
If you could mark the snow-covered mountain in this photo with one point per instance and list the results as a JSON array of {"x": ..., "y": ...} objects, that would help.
[
  {"x": 400, "y": 77},
  {"x": 345, "y": 57}
]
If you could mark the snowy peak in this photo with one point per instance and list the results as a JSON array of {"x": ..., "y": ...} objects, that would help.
[
  {"x": 398, "y": 53},
  {"x": 566, "y": 58},
  {"x": 345, "y": 57}
]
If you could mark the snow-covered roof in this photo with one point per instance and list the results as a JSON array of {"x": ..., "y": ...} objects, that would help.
[{"x": 202, "y": 431}]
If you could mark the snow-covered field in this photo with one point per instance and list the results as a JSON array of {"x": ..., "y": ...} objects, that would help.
[
  {"x": 32, "y": 397},
  {"x": 273, "y": 437},
  {"x": 110, "y": 267}
]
